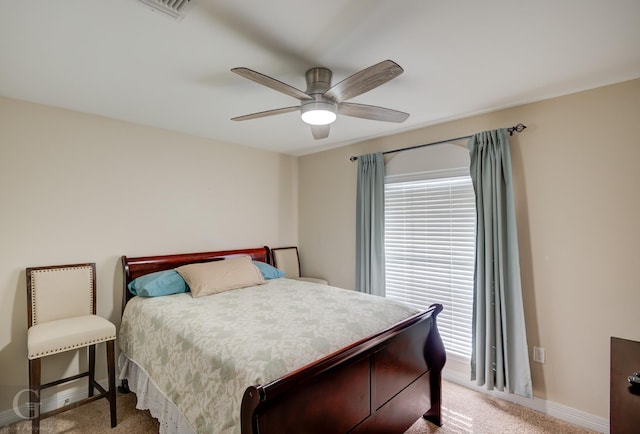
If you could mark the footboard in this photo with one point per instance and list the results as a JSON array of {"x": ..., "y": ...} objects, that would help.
[{"x": 381, "y": 384}]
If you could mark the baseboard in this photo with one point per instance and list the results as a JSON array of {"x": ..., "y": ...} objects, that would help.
[
  {"x": 57, "y": 400},
  {"x": 553, "y": 409}
]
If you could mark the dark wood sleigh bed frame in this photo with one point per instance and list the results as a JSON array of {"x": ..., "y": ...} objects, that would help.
[{"x": 383, "y": 383}]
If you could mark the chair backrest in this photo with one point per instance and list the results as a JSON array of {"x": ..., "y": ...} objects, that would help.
[
  {"x": 287, "y": 260},
  {"x": 61, "y": 291}
]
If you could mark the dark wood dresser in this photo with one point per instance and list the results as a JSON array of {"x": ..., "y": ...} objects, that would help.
[{"x": 624, "y": 402}]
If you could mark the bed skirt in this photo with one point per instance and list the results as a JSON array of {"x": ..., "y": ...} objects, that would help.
[{"x": 149, "y": 397}]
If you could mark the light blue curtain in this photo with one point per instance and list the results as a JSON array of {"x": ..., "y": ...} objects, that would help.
[
  {"x": 500, "y": 357},
  {"x": 370, "y": 224}
]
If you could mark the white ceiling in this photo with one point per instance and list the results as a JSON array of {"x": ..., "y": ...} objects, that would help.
[{"x": 119, "y": 59}]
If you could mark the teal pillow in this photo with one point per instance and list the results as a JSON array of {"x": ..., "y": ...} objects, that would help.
[
  {"x": 157, "y": 284},
  {"x": 268, "y": 271}
]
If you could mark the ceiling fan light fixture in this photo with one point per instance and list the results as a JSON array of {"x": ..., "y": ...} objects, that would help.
[
  {"x": 318, "y": 113},
  {"x": 321, "y": 102}
]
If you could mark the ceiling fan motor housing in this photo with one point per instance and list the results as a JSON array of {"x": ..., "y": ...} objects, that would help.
[
  {"x": 318, "y": 80},
  {"x": 322, "y": 110}
]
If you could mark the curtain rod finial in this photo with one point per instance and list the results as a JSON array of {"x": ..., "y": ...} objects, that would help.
[
  {"x": 516, "y": 129},
  {"x": 353, "y": 158}
]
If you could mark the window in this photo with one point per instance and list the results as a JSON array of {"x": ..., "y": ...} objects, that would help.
[{"x": 430, "y": 249}]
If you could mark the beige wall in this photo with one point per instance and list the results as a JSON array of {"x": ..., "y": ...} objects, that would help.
[
  {"x": 76, "y": 187},
  {"x": 576, "y": 181},
  {"x": 81, "y": 188}
]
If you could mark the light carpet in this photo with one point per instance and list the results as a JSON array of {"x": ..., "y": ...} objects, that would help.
[{"x": 463, "y": 411}]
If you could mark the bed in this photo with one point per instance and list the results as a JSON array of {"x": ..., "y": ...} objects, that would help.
[{"x": 379, "y": 381}]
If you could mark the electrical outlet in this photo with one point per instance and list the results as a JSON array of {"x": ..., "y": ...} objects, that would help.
[
  {"x": 67, "y": 401},
  {"x": 538, "y": 354}
]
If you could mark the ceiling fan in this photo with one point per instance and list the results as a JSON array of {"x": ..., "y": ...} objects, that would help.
[{"x": 320, "y": 102}]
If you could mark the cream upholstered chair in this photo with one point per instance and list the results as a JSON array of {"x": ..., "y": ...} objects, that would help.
[
  {"x": 62, "y": 317},
  {"x": 288, "y": 260}
]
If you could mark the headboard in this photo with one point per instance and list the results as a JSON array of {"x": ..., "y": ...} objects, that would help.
[{"x": 136, "y": 267}]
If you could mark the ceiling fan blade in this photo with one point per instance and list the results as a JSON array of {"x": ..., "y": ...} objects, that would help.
[
  {"x": 371, "y": 112},
  {"x": 266, "y": 113},
  {"x": 365, "y": 80},
  {"x": 320, "y": 131},
  {"x": 272, "y": 83}
]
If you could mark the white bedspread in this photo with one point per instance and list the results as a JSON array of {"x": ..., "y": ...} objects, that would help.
[{"x": 202, "y": 353}]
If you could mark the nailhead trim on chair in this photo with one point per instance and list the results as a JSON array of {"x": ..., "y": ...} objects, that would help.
[
  {"x": 80, "y": 345},
  {"x": 34, "y": 289}
]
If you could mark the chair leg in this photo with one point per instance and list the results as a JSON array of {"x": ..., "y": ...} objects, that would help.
[
  {"x": 92, "y": 368},
  {"x": 34, "y": 395},
  {"x": 111, "y": 368}
]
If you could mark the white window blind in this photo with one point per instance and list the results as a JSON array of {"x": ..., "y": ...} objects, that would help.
[{"x": 430, "y": 250}]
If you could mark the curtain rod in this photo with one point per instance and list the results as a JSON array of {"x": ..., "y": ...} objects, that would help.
[{"x": 515, "y": 129}]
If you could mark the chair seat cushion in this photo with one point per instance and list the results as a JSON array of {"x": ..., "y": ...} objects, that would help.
[{"x": 61, "y": 335}]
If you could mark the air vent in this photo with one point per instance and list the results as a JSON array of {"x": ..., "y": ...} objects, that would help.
[{"x": 173, "y": 8}]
